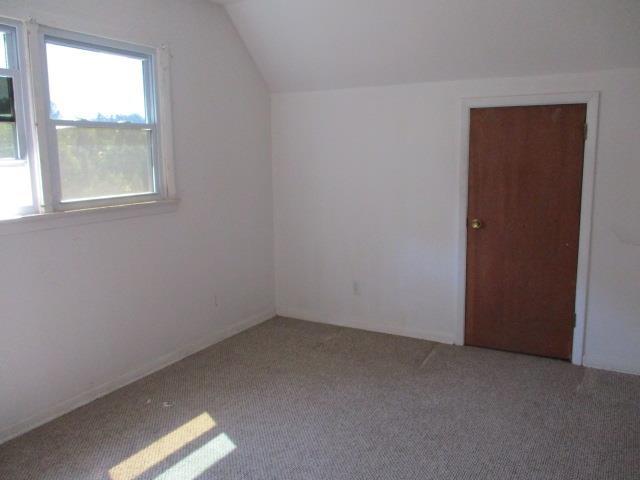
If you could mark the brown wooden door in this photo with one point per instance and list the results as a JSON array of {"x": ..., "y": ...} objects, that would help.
[{"x": 525, "y": 184}]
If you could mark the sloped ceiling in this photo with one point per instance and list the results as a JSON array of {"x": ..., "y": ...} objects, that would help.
[{"x": 302, "y": 45}]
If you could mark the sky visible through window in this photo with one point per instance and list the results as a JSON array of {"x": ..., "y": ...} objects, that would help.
[
  {"x": 4, "y": 61},
  {"x": 95, "y": 86}
]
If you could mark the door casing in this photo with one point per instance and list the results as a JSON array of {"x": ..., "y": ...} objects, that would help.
[{"x": 592, "y": 100}]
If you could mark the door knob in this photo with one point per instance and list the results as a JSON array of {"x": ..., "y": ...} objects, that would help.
[{"x": 476, "y": 224}]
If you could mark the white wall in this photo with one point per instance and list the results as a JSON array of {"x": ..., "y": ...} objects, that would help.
[
  {"x": 86, "y": 308},
  {"x": 367, "y": 190}
]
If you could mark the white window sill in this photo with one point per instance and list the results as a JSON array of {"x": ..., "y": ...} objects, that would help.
[{"x": 48, "y": 221}]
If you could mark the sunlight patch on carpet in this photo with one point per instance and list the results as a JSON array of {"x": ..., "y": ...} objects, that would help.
[{"x": 161, "y": 449}]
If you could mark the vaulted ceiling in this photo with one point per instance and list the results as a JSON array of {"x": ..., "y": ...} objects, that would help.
[{"x": 302, "y": 45}]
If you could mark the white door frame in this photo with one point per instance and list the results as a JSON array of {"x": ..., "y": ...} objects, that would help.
[{"x": 592, "y": 100}]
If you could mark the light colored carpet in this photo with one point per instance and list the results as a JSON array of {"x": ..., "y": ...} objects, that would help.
[{"x": 298, "y": 400}]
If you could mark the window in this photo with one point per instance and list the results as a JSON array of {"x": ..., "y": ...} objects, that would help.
[
  {"x": 102, "y": 117},
  {"x": 99, "y": 137},
  {"x": 16, "y": 185}
]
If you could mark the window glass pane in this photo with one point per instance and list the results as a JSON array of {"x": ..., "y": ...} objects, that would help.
[
  {"x": 8, "y": 134},
  {"x": 95, "y": 86},
  {"x": 15, "y": 188},
  {"x": 104, "y": 162},
  {"x": 4, "y": 59},
  {"x": 7, "y": 108},
  {"x": 7, "y": 54},
  {"x": 8, "y": 143}
]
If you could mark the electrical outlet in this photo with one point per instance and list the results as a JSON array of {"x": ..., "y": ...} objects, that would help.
[{"x": 356, "y": 288}]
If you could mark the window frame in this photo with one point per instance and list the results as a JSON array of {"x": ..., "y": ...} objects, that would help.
[
  {"x": 18, "y": 71},
  {"x": 52, "y": 183},
  {"x": 32, "y": 122}
]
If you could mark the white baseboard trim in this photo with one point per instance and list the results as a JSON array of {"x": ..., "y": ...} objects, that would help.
[
  {"x": 369, "y": 326},
  {"x": 153, "y": 366},
  {"x": 621, "y": 365}
]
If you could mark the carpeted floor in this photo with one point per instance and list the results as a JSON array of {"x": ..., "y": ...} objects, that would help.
[{"x": 298, "y": 400}]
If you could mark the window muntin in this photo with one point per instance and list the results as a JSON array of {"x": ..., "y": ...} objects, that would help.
[
  {"x": 102, "y": 112},
  {"x": 16, "y": 178}
]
